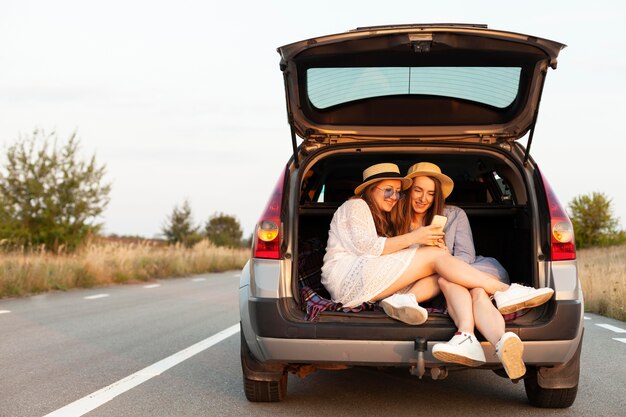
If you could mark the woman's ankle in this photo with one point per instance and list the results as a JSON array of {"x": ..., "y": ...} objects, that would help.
[{"x": 466, "y": 330}]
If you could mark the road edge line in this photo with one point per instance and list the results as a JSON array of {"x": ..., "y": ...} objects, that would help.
[{"x": 96, "y": 399}]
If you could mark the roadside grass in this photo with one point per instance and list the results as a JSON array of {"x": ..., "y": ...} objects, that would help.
[
  {"x": 602, "y": 272},
  {"x": 106, "y": 263}
]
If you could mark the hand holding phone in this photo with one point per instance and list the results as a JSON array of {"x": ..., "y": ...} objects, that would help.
[{"x": 439, "y": 222}]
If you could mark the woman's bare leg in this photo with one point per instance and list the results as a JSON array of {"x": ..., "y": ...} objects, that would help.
[
  {"x": 459, "y": 303},
  {"x": 426, "y": 288},
  {"x": 430, "y": 260},
  {"x": 458, "y": 272},
  {"x": 488, "y": 319},
  {"x": 463, "y": 348}
]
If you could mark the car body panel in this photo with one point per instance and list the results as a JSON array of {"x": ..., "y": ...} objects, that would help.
[
  {"x": 265, "y": 278},
  {"x": 565, "y": 280}
]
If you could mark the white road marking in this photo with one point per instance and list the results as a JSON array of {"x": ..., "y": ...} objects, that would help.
[
  {"x": 198, "y": 279},
  {"x": 152, "y": 286},
  {"x": 237, "y": 275},
  {"x": 106, "y": 394},
  {"x": 587, "y": 318},
  {"x": 620, "y": 339},
  {"x": 611, "y": 328},
  {"x": 4, "y": 311},
  {"x": 94, "y": 297}
]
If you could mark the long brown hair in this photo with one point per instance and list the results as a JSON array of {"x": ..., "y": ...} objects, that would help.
[
  {"x": 402, "y": 213},
  {"x": 382, "y": 219}
]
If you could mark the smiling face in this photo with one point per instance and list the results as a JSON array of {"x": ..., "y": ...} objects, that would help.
[
  {"x": 422, "y": 195},
  {"x": 385, "y": 194}
]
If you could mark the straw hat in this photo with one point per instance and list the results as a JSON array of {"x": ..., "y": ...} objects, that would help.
[
  {"x": 379, "y": 172},
  {"x": 428, "y": 169}
]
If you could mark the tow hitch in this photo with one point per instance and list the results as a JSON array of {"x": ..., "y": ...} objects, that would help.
[
  {"x": 420, "y": 369},
  {"x": 420, "y": 347}
]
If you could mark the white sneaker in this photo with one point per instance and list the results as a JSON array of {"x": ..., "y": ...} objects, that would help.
[
  {"x": 510, "y": 351},
  {"x": 463, "y": 348},
  {"x": 404, "y": 307},
  {"x": 518, "y": 297}
]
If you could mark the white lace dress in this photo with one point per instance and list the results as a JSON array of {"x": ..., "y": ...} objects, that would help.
[{"x": 354, "y": 270}]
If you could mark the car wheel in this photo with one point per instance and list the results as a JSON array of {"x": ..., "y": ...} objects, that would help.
[
  {"x": 266, "y": 391},
  {"x": 271, "y": 387},
  {"x": 548, "y": 397}
]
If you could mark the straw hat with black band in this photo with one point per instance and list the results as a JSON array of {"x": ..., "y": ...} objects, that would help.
[
  {"x": 427, "y": 169},
  {"x": 379, "y": 172}
]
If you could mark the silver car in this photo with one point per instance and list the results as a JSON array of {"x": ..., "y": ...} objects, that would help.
[{"x": 460, "y": 96}]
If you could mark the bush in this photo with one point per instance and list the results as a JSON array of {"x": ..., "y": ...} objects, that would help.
[
  {"x": 224, "y": 230},
  {"x": 49, "y": 197},
  {"x": 593, "y": 220}
]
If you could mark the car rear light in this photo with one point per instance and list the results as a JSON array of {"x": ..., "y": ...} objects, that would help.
[
  {"x": 562, "y": 243},
  {"x": 267, "y": 234}
]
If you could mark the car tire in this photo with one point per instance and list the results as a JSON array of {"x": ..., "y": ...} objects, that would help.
[
  {"x": 265, "y": 391},
  {"x": 261, "y": 390},
  {"x": 548, "y": 397}
]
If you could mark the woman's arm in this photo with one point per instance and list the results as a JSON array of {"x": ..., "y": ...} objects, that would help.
[
  {"x": 356, "y": 229},
  {"x": 422, "y": 235},
  {"x": 358, "y": 232},
  {"x": 459, "y": 237}
]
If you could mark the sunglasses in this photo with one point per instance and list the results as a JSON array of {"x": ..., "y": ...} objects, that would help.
[{"x": 390, "y": 192}]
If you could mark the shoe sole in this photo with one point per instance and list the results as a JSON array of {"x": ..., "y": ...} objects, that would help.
[
  {"x": 533, "y": 302},
  {"x": 455, "y": 358},
  {"x": 512, "y": 358},
  {"x": 407, "y": 315}
]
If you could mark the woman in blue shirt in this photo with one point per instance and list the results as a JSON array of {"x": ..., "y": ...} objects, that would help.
[{"x": 468, "y": 308}]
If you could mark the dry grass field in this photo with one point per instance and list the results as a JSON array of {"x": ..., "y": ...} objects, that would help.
[
  {"x": 110, "y": 262},
  {"x": 602, "y": 272}
]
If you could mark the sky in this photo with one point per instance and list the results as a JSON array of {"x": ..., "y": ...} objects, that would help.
[{"x": 184, "y": 100}]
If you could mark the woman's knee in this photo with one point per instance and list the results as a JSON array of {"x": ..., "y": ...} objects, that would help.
[
  {"x": 433, "y": 253},
  {"x": 442, "y": 282}
]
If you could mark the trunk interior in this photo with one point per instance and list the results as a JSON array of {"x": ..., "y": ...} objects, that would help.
[{"x": 488, "y": 186}]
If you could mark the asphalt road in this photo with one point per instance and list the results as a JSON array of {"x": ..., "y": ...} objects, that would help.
[{"x": 157, "y": 350}]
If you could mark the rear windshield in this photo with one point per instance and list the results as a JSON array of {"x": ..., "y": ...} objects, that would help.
[{"x": 493, "y": 86}]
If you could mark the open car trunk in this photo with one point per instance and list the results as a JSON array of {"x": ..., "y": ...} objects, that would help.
[{"x": 489, "y": 186}]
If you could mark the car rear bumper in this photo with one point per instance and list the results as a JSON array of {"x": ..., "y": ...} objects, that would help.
[
  {"x": 269, "y": 318},
  {"x": 396, "y": 353},
  {"x": 275, "y": 337}
]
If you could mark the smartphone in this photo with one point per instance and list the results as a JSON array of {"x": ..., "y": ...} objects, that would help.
[{"x": 439, "y": 221}]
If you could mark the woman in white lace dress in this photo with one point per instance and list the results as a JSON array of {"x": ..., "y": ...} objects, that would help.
[{"x": 365, "y": 262}]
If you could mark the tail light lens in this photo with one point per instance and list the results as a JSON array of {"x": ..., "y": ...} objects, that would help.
[
  {"x": 562, "y": 243},
  {"x": 267, "y": 234}
]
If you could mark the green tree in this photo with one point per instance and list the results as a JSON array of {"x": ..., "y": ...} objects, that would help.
[
  {"x": 48, "y": 195},
  {"x": 179, "y": 228},
  {"x": 593, "y": 220},
  {"x": 223, "y": 230}
]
